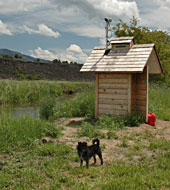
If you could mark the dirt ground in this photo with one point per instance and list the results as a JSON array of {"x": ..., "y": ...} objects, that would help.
[{"x": 133, "y": 141}]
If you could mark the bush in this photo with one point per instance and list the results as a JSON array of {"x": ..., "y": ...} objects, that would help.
[
  {"x": 110, "y": 122},
  {"x": 134, "y": 120},
  {"x": 81, "y": 106},
  {"x": 47, "y": 108},
  {"x": 116, "y": 123}
]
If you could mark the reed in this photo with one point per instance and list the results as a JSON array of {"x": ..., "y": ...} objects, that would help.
[{"x": 33, "y": 91}]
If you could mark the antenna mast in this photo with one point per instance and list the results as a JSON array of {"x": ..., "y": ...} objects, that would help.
[{"x": 107, "y": 28}]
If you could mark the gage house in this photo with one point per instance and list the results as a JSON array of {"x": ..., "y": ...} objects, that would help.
[{"x": 122, "y": 74}]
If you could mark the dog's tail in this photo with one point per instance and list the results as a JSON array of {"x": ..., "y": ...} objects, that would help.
[{"x": 96, "y": 140}]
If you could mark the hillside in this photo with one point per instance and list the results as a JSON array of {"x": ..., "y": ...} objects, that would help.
[
  {"x": 13, "y": 53},
  {"x": 19, "y": 69}
]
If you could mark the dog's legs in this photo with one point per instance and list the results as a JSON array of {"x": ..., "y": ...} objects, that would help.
[
  {"x": 87, "y": 163},
  {"x": 94, "y": 159},
  {"x": 81, "y": 162},
  {"x": 100, "y": 156}
]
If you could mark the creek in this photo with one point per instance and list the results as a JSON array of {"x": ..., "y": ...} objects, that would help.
[{"x": 30, "y": 110}]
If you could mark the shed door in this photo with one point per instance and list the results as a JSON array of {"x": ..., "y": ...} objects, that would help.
[{"x": 113, "y": 94}]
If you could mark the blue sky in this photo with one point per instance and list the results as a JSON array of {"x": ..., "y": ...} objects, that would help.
[{"x": 69, "y": 29}]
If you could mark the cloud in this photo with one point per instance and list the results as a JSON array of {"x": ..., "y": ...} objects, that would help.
[
  {"x": 74, "y": 48},
  {"x": 165, "y": 3},
  {"x": 43, "y": 30},
  {"x": 4, "y": 29},
  {"x": 100, "y": 8},
  {"x": 15, "y": 6},
  {"x": 91, "y": 31},
  {"x": 73, "y": 53},
  {"x": 154, "y": 12},
  {"x": 43, "y": 54}
]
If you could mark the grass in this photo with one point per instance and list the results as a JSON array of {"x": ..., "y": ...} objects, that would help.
[
  {"x": 26, "y": 164},
  {"x": 90, "y": 131},
  {"x": 50, "y": 167},
  {"x": 80, "y": 106},
  {"x": 20, "y": 92},
  {"x": 159, "y": 101},
  {"x": 83, "y": 105},
  {"x": 21, "y": 134}
]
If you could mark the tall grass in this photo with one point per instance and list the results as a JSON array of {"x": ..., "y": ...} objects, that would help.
[
  {"x": 20, "y": 134},
  {"x": 159, "y": 101},
  {"x": 32, "y": 91},
  {"x": 80, "y": 106},
  {"x": 83, "y": 105}
]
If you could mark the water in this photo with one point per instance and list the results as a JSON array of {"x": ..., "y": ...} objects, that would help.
[
  {"x": 22, "y": 111},
  {"x": 33, "y": 111}
]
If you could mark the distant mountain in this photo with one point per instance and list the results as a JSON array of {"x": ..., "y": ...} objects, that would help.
[{"x": 26, "y": 57}]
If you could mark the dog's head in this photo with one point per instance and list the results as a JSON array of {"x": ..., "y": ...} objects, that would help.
[{"x": 81, "y": 146}]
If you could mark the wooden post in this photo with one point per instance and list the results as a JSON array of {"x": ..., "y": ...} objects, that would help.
[
  {"x": 147, "y": 92},
  {"x": 130, "y": 94},
  {"x": 97, "y": 96}
]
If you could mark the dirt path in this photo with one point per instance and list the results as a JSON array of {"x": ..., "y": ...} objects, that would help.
[{"x": 124, "y": 143}]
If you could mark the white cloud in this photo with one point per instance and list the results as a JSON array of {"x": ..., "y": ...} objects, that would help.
[
  {"x": 100, "y": 8},
  {"x": 165, "y": 3},
  {"x": 72, "y": 53},
  {"x": 116, "y": 7},
  {"x": 15, "y": 6},
  {"x": 75, "y": 53},
  {"x": 91, "y": 31},
  {"x": 158, "y": 16},
  {"x": 74, "y": 48},
  {"x": 43, "y": 54},
  {"x": 43, "y": 30},
  {"x": 4, "y": 29}
]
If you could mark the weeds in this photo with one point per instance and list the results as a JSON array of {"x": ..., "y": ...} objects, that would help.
[
  {"x": 159, "y": 101},
  {"x": 112, "y": 135},
  {"x": 33, "y": 91},
  {"x": 90, "y": 131},
  {"x": 80, "y": 106},
  {"x": 20, "y": 134}
]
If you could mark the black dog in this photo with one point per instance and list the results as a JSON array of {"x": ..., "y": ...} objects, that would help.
[{"x": 86, "y": 152}]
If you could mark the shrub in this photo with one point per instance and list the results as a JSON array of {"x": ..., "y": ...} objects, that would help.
[
  {"x": 81, "y": 106},
  {"x": 110, "y": 122},
  {"x": 134, "y": 120},
  {"x": 47, "y": 108}
]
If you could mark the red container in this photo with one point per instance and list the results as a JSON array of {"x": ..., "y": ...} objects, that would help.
[{"x": 151, "y": 119}]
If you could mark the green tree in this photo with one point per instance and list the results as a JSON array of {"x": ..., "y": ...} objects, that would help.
[{"x": 144, "y": 35}]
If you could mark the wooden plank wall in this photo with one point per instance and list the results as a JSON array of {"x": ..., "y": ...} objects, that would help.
[
  {"x": 139, "y": 92},
  {"x": 113, "y": 94}
]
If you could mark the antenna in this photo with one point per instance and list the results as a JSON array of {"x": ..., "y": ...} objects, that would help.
[{"x": 107, "y": 28}]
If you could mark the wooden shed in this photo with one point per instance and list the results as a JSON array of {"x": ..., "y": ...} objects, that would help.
[{"x": 122, "y": 74}]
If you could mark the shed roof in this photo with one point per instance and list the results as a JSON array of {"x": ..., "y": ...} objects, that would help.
[
  {"x": 131, "y": 60},
  {"x": 121, "y": 40}
]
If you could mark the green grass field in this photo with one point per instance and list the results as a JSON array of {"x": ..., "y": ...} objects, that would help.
[
  {"x": 26, "y": 163},
  {"x": 141, "y": 162}
]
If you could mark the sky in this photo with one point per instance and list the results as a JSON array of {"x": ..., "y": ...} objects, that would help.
[{"x": 69, "y": 29}]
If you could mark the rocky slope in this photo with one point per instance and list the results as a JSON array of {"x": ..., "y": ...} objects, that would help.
[{"x": 19, "y": 69}]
